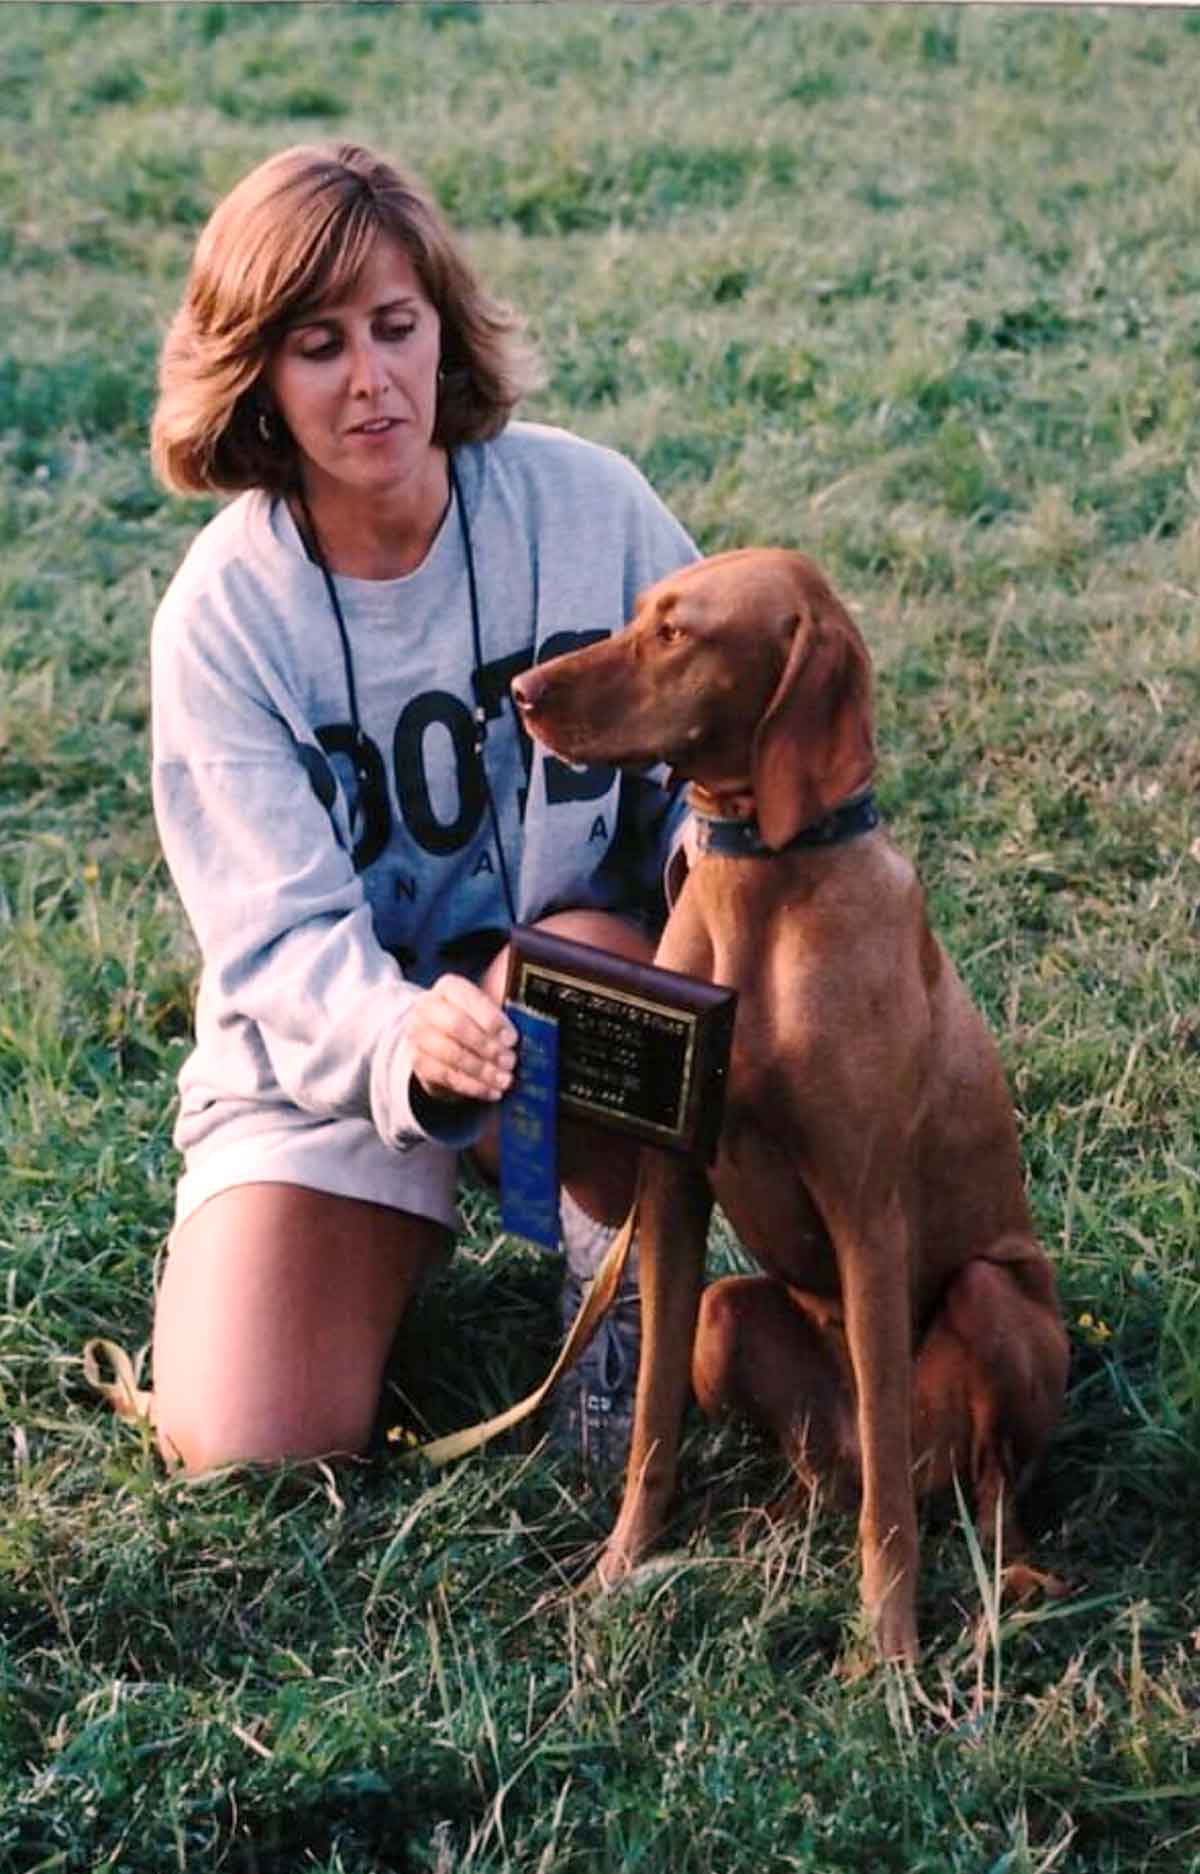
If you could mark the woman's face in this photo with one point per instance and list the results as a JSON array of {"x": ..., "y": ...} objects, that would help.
[{"x": 355, "y": 380}]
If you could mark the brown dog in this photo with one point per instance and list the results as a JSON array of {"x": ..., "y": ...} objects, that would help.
[{"x": 907, "y": 1327}]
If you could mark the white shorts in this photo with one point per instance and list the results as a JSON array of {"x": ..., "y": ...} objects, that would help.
[{"x": 343, "y": 1156}]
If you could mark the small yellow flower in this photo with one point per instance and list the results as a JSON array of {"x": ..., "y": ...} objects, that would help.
[
  {"x": 402, "y": 1435},
  {"x": 91, "y": 873},
  {"x": 1094, "y": 1330}
]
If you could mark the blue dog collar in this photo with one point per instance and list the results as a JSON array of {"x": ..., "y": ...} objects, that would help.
[{"x": 741, "y": 839}]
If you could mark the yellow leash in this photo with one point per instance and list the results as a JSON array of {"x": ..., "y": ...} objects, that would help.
[
  {"x": 127, "y": 1399},
  {"x": 596, "y": 1304}
]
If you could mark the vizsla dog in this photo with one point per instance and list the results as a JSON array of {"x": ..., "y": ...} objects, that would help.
[{"x": 906, "y": 1328}]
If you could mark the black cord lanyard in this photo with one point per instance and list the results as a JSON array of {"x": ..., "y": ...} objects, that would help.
[{"x": 362, "y": 768}]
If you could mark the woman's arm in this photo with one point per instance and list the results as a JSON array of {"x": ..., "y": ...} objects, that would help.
[{"x": 281, "y": 917}]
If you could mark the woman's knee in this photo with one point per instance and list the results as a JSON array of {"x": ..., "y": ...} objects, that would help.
[
  {"x": 273, "y": 1322},
  {"x": 602, "y": 929},
  {"x": 206, "y": 1435}
]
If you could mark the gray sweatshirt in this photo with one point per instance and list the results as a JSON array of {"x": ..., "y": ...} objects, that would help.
[{"x": 321, "y": 903}]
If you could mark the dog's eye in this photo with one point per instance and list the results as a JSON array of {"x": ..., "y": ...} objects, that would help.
[{"x": 669, "y": 633}]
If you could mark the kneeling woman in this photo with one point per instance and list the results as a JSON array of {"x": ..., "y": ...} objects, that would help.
[{"x": 350, "y": 811}]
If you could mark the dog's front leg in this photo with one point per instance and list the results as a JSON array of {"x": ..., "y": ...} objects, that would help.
[
  {"x": 873, "y": 1259},
  {"x": 674, "y": 1205}
]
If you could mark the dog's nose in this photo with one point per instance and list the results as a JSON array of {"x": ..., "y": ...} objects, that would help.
[{"x": 524, "y": 690}]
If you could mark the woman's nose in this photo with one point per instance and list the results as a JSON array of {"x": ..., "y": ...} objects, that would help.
[{"x": 368, "y": 375}]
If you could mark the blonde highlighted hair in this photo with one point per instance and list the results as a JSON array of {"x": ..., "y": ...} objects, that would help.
[{"x": 293, "y": 233}]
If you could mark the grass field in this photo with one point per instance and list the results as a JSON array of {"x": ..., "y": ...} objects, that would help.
[{"x": 915, "y": 289}]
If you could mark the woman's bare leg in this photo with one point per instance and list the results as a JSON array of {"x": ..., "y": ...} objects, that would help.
[{"x": 274, "y": 1319}]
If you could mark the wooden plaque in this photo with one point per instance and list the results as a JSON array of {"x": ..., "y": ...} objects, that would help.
[{"x": 642, "y": 1050}]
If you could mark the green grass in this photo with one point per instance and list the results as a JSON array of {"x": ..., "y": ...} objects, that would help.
[{"x": 914, "y": 289}]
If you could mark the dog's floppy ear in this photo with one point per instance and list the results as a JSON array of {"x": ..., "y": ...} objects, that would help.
[{"x": 814, "y": 747}]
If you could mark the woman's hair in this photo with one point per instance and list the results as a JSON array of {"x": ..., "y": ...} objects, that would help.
[{"x": 293, "y": 233}]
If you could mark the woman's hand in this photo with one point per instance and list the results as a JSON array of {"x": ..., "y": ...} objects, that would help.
[{"x": 463, "y": 1046}]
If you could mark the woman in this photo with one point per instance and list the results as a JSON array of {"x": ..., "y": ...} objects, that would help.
[{"x": 349, "y": 808}]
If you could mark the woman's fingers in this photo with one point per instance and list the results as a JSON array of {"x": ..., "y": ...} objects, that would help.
[{"x": 463, "y": 1046}]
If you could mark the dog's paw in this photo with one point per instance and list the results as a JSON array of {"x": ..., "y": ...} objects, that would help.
[
  {"x": 896, "y": 1637},
  {"x": 1021, "y": 1583},
  {"x": 601, "y": 1585},
  {"x": 862, "y": 1654}
]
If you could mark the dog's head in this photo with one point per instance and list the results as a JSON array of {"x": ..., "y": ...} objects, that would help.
[{"x": 741, "y": 670}]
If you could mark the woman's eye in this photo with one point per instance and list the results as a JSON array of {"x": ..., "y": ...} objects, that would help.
[
  {"x": 325, "y": 349},
  {"x": 395, "y": 332}
]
